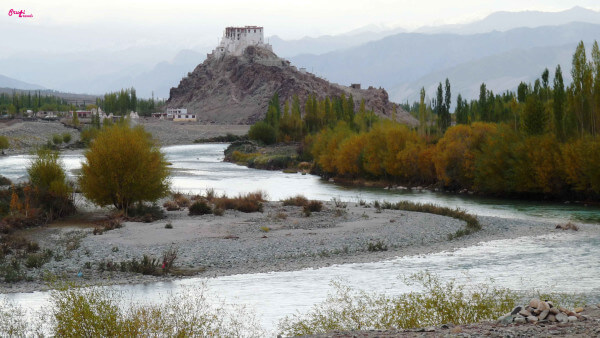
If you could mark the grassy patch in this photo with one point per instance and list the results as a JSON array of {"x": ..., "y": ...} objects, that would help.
[
  {"x": 441, "y": 302},
  {"x": 298, "y": 201},
  {"x": 471, "y": 220}
]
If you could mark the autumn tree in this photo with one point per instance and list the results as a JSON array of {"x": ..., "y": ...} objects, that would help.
[
  {"x": 47, "y": 176},
  {"x": 558, "y": 105},
  {"x": 534, "y": 116},
  {"x": 3, "y": 143},
  {"x": 124, "y": 165}
]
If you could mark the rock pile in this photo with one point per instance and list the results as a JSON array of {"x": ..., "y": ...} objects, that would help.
[{"x": 541, "y": 311}]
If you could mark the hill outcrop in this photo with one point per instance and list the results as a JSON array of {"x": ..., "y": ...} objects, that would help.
[{"x": 237, "y": 89}]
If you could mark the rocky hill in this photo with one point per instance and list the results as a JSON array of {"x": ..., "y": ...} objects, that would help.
[{"x": 236, "y": 90}]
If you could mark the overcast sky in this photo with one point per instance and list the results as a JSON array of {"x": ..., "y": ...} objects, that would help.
[{"x": 66, "y": 25}]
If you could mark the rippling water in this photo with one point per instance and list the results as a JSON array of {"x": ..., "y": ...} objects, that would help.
[{"x": 547, "y": 263}]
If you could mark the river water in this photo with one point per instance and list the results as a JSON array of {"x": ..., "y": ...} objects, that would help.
[{"x": 545, "y": 263}]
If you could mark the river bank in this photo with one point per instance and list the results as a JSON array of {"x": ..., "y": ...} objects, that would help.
[
  {"x": 281, "y": 238},
  {"x": 25, "y": 136}
]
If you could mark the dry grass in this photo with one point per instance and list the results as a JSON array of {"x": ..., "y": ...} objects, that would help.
[
  {"x": 251, "y": 202},
  {"x": 298, "y": 201}
]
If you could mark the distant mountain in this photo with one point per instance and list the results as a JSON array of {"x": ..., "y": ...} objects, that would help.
[
  {"x": 165, "y": 75},
  {"x": 8, "y": 82},
  {"x": 407, "y": 57},
  {"x": 500, "y": 72},
  {"x": 504, "y": 21},
  {"x": 328, "y": 43},
  {"x": 71, "y": 97}
]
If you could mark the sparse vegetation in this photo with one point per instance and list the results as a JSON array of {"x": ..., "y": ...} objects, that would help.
[
  {"x": 199, "y": 207},
  {"x": 377, "y": 246},
  {"x": 298, "y": 201},
  {"x": 441, "y": 302}
]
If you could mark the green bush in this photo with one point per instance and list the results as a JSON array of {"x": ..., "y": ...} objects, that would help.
[
  {"x": 66, "y": 137},
  {"x": 57, "y": 139},
  {"x": 199, "y": 207},
  {"x": 439, "y": 303},
  {"x": 49, "y": 179},
  {"x": 263, "y": 132}
]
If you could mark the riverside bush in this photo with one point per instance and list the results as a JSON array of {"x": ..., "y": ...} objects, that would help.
[
  {"x": 298, "y": 201},
  {"x": 97, "y": 312},
  {"x": 262, "y": 132},
  {"x": 199, "y": 207},
  {"x": 441, "y": 302}
]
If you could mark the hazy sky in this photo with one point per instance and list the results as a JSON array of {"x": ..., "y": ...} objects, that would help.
[{"x": 59, "y": 25}]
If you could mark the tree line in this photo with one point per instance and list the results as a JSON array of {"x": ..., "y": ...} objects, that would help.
[
  {"x": 120, "y": 102},
  {"x": 541, "y": 140}
]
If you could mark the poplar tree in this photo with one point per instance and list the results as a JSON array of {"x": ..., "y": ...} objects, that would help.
[{"x": 558, "y": 105}]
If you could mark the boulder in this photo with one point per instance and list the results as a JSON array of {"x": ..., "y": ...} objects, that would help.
[
  {"x": 543, "y": 306},
  {"x": 516, "y": 310},
  {"x": 520, "y": 320},
  {"x": 554, "y": 311},
  {"x": 525, "y": 313},
  {"x": 544, "y": 314},
  {"x": 572, "y": 319},
  {"x": 532, "y": 319},
  {"x": 578, "y": 309},
  {"x": 534, "y": 303},
  {"x": 562, "y": 318},
  {"x": 551, "y": 318}
]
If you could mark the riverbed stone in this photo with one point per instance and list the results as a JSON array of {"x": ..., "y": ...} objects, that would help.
[
  {"x": 578, "y": 309},
  {"x": 525, "y": 313},
  {"x": 520, "y": 320},
  {"x": 551, "y": 318},
  {"x": 544, "y": 314},
  {"x": 534, "y": 303},
  {"x": 562, "y": 318},
  {"x": 572, "y": 319},
  {"x": 516, "y": 310},
  {"x": 543, "y": 306},
  {"x": 532, "y": 319},
  {"x": 507, "y": 319},
  {"x": 554, "y": 311}
]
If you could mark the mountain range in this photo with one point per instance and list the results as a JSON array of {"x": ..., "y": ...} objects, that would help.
[{"x": 502, "y": 49}]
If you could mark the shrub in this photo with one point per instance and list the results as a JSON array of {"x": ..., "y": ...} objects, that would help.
[
  {"x": 218, "y": 211},
  {"x": 441, "y": 302},
  {"x": 88, "y": 134},
  {"x": 377, "y": 246},
  {"x": 66, "y": 137},
  {"x": 145, "y": 213},
  {"x": 262, "y": 132},
  {"x": 169, "y": 225},
  {"x": 97, "y": 312},
  {"x": 199, "y": 207},
  {"x": 3, "y": 143},
  {"x": 182, "y": 201},
  {"x": 169, "y": 258},
  {"x": 251, "y": 202},
  {"x": 49, "y": 181},
  {"x": 57, "y": 139},
  {"x": 314, "y": 206},
  {"x": 4, "y": 181},
  {"x": 171, "y": 206},
  {"x": 124, "y": 166},
  {"x": 298, "y": 201}
]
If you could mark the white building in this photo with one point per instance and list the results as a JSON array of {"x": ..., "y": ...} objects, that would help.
[
  {"x": 180, "y": 115},
  {"x": 236, "y": 39}
]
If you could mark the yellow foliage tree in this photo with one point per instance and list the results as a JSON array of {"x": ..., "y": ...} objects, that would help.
[
  {"x": 456, "y": 152},
  {"x": 15, "y": 203},
  {"x": 124, "y": 166}
]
